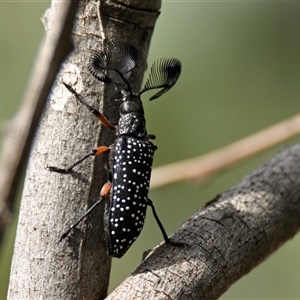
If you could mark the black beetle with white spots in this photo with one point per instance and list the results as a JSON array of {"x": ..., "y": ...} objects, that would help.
[{"x": 131, "y": 155}]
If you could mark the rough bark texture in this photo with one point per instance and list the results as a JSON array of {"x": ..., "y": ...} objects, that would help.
[
  {"x": 78, "y": 267},
  {"x": 226, "y": 239},
  {"x": 22, "y": 128}
]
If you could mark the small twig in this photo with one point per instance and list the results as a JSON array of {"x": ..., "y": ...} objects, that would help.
[
  {"x": 202, "y": 167},
  {"x": 23, "y": 127}
]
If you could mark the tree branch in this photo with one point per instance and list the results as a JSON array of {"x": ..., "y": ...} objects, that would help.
[
  {"x": 78, "y": 267},
  {"x": 202, "y": 167},
  {"x": 225, "y": 239},
  {"x": 23, "y": 127}
]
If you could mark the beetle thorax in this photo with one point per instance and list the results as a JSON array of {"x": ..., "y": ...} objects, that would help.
[{"x": 132, "y": 121}]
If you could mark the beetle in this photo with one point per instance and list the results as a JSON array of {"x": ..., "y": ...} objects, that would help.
[{"x": 131, "y": 154}]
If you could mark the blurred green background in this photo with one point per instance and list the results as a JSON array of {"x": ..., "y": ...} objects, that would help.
[{"x": 241, "y": 73}]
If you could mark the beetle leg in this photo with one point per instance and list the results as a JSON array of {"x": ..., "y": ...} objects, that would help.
[
  {"x": 151, "y": 136},
  {"x": 97, "y": 151},
  {"x": 167, "y": 240},
  {"x": 93, "y": 110},
  {"x": 103, "y": 194}
]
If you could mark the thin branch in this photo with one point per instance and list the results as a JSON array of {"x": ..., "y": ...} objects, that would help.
[
  {"x": 225, "y": 239},
  {"x": 202, "y": 167},
  {"x": 23, "y": 127}
]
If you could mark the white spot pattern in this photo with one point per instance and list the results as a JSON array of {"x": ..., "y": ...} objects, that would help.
[{"x": 129, "y": 193}]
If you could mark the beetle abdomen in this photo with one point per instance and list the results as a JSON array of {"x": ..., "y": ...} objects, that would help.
[{"x": 132, "y": 162}]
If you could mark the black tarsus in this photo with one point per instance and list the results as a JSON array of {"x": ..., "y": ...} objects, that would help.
[
  {"x": 65, "y": 234},
  {"x": 167, "y": 240},
  {"x": 71, "y": 167},
  {"x": 80, "y": 99},
  {"x": 93, "y": 110}
]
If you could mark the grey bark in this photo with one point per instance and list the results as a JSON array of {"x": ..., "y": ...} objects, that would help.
[
  {"x": 22, "y": 128},
  {"x": 225, "y": 239},
  {"x": 79, "y": 267}
]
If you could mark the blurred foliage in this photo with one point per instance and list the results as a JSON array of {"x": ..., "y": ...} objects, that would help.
[{"x": 240, "y": 74}]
